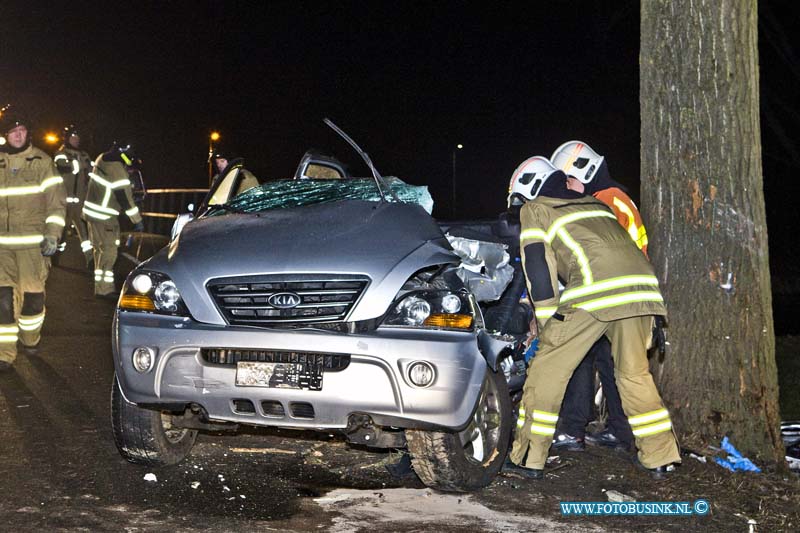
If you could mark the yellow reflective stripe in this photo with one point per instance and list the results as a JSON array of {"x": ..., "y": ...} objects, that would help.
[
  {"x": 521, "y": 417},
  {"x": 99, "y": 180},
  {"x": 9, "y": 329},
  {"x": 544, "y": 416},
  {"x": 31, "y": 323},
  {"x": 545, "y": 312},
  {"x": 543, "y": 430},
  {"x": 132, "y": 211},
  {"x": 55, "y": 219},
  {"x": 120, "y": 183},
  {"x": 7, "y": 339},
  {"x": 631, "y": 229},
  {"x": 579, "y": 254},
  {"x": 538, "y": 233},
  {"x": 22, "y": 239},
  {"x": 652, "y": 429},
  {"x": 533, "y": 234},
  {"x": 620, "y": 299},
  {"x": 567, "y": 219},
  {"x": 86, "y": 246},
  {"x": 60, "y": 156},
  {"x": 94, "y": 214},
  {"x": 49, "y": 182},
  {"x": 608, "y": 284},
  {"x": 76, "y": 167},
  {"x": 100, "y": 208},
  {"x": 31, "y": 189},
  {"x": 126, "y": 159},
  {"x": 646, "y": 418},
  {"x": 20, "y": 191}
]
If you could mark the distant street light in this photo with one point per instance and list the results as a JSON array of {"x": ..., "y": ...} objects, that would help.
[
  {"x": 453, "y": 205},
  {"x": 51, "y": 138},
  {"x": 214, "y": 137}
]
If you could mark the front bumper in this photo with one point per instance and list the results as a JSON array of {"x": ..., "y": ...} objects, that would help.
[{"x": 374, "y": 383}]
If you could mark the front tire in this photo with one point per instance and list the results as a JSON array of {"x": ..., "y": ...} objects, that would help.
[
  {"x": 469, "y": 459},
  {"x": 145, "y": 436}
]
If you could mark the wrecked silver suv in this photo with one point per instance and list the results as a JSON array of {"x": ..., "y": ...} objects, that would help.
[{"x": 319, "y": 305}]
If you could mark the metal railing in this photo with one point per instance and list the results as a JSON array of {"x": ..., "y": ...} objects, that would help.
[{"x": 162, "y": 206}]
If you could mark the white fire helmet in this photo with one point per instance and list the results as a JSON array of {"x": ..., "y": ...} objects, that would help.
[
  {"x": 577, "y": 159},
  {"x": 527, "y": 180}
]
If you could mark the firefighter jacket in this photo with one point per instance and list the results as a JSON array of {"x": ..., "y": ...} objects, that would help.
[
  {"x": 74, "y": 166},
  {"x": 32, "y": 199},
  {"x": 109, "y": 193},
  {"x": 627, "y": 214},
  {"x": 580, "y": 242}
]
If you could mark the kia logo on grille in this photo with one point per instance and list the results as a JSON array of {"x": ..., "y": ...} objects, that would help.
[{"x": 284, "y": 300}]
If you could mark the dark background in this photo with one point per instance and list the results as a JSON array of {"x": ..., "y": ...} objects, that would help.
[{"x": 407, "y": 80}]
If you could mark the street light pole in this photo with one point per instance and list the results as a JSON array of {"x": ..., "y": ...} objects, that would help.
[
  {"x": 453, "y": 204},
  {"x": 214, "y": 137}
]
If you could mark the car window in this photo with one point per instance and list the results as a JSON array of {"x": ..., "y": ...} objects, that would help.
[
  {"x": 318, "y": 171},
  {"x": 223, "y": 192}
]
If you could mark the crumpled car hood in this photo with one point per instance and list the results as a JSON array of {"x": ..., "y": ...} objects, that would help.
[{"x": 386, "y": 242}]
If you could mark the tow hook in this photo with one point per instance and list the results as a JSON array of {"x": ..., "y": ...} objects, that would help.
[{"x": 361, "y": 430}]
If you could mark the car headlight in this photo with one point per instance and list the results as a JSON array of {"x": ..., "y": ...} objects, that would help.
[
  {"x": 153, "y": 292},
  {"x": 432, "y": 309}
]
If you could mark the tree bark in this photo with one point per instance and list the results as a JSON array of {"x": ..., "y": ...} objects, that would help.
[{"x": 703, "y": 204}]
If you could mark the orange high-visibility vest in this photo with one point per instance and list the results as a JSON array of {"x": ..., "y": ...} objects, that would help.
[{"x": 627, "y": 214}]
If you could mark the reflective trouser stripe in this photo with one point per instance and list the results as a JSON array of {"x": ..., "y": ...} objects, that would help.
[
  {"x": 31, "y": 323},
  {"x": 108, "y": 276},
  {"x": 98, "y": 275},
  {"x": 86, "y": 246},
  {"x": 8, "y": 334},
  {"x": 650, "y": 423},
  {"x": 544, "y": 423},
  {"x": 652, "y": 429},
  {"x": 541, "y": 429},
  {"x": 521, "y": 417}
]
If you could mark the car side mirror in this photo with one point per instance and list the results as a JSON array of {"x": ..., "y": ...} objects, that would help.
[{"x": 180, "y": 222}]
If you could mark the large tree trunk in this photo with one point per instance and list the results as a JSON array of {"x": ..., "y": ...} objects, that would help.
[{"x": 703, "y": 203}]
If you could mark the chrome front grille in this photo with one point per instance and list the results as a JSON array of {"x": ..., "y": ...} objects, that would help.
[{"x": 274, "y": 300}]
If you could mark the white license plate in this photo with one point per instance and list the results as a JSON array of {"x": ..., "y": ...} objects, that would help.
[{"x": 272, "y": 375}]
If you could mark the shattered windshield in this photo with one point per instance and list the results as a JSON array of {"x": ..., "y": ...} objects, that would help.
[{"x": 285, "y": 194}]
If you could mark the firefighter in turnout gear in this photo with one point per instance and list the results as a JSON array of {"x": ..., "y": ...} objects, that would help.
[
  {"x": 74, "y": 166},
  {"x": 32, "y": 209},
  {"x": 587, "y": 172},
  {"x": 610, "y": 289},
  {"x": 109, "y": 195}
]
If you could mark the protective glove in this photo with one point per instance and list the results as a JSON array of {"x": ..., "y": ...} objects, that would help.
[
  {"x": 49, "y": 246},
  {"x": 533, "y": 347},
  {"x": 138, "y": 227}
]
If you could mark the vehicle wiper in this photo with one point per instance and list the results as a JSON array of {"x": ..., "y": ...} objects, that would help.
[{"x": 379, "y": 182}]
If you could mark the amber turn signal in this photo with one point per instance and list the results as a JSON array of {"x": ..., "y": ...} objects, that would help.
[
  {"x": 136, "y": 302},
  {"x": 444, "y": 320}
]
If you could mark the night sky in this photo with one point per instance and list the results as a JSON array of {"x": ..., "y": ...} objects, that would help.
[{"x": 407, "y": 80}]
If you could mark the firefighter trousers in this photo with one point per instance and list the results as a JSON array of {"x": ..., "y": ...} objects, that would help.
[
  {"x": 74, "y": 220},
  {"x": 563, "y": 342},
  {"x": 105, "y": 241},
  {"x": 22, "y": 277}
]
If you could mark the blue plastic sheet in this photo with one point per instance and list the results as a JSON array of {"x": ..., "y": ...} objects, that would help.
[{"x": 735, "y": 461}]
